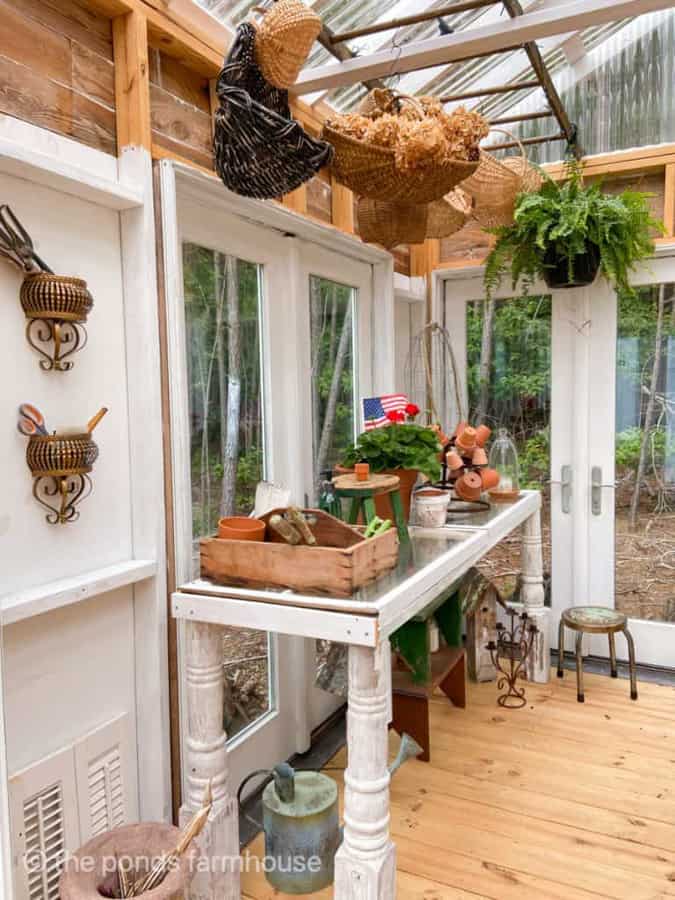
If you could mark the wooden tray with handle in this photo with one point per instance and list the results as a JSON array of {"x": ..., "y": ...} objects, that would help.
[{"x": 342, "y": 561}]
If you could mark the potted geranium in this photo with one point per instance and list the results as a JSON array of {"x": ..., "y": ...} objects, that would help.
[
  {"x": 566, "y": 231},
  {"x": 400, "y": 448}
]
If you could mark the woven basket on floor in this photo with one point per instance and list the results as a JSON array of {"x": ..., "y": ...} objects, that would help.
[
  {"x": 284, "y": 39},
  {"x": 390, "y": 224},
  {"x": 449, "y": 215},
  {"x": 496, "y": 183}
]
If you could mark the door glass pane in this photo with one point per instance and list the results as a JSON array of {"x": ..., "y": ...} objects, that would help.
[
  {"x": 645, "y": 454},
  {"x": 509, "y": 386},
  {"x": 223, "y": 342},
  {"x": 333, "y": 378}
]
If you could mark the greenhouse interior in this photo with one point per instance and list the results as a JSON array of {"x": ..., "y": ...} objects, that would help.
[{"x": 356, "y": 323}]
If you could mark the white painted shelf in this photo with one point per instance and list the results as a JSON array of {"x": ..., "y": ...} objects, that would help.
[{"x": 66, "y": 591}]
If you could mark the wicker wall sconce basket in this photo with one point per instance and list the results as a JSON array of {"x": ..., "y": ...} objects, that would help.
[
  {"x": 60, "y": 466},
  {"x": 56, "y": 308}
]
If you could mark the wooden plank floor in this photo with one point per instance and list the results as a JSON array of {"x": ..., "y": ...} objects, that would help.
[{"x": 557, "y": 801}]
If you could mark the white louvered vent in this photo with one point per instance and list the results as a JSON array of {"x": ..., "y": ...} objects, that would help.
[
  {"x": 44, "y": 835},
  {"x": 105, "y": 785}
]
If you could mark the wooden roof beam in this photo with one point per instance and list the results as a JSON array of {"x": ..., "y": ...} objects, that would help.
[{"x": 471, "y": 42}]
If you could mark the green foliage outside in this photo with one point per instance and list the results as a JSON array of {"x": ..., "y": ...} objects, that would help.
[
  {"x": 563, "y": 218},
  {"x": 404, "y": 446}
]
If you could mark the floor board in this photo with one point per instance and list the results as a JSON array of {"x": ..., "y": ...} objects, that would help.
[{"x": 557, "y": 801}]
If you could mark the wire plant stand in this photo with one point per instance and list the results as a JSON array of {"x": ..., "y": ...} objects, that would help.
[
  {"x": 509, "y": 654},
  {"x": 432, "y": 376}
]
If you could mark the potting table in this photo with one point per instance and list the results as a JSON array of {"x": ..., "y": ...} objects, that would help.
[{"x": 429, "y": 564}]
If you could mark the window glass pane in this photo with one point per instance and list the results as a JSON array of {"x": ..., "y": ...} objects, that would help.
[
  {"x": 509, "y": 386},
  {"x": 222, "y": 332},
  {"x": 645, "y": 454},
  {"x": 333, "y": 382}
]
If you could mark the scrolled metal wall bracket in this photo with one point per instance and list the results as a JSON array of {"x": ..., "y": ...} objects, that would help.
[
  {"x": 65, "y": 338},
  {"x": 60, "y": 466}
]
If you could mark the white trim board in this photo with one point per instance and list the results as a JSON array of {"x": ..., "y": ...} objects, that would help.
[
  {"x": 462, "y": 45},
  {"x": 66, "y": 591}
]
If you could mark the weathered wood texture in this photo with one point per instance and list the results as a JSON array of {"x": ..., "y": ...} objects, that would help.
[
  {"x": 558, "y": 800},
  {"x": 56, "y": 69},
  {"x": 180, "y": 109}
]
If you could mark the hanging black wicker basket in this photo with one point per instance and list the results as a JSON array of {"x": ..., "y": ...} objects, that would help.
[
  {"x": 260, "y": 151},
  {"x": 584, "y": 268}
]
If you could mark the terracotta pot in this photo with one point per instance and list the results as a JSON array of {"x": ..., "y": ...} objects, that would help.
[
  {"x": 466, "y": 441},
  {"x": 454, "y": 460},
  {"x": 241, "y": 528},
  {"x": 408, "y": 478},
  {"x": 489, "y": 478},
  {"x": 362, "y": 471},
  {"x": 482, "y": 435},
  {"x": 460, "y": 428},
  {"x": 479, "y": 457},
  {"x": 469, "y": 486}
]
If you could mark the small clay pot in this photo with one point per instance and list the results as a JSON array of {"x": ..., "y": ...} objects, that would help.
[
  {"x": 479, "y": 457},
  {"x": 489, "y": 478},
  {"x": 362, "y": 471},
  {"x": 466, "y": 441},
  {"x": 482, "y": 435},
  {"x": 460, "y": 428},
  {"x": 454, "y": 460},
  {"x": 469, "y": 486},
  {"x": 241, "y": 528}
]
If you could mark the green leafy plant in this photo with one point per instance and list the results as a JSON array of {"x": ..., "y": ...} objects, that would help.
[
  {"x": 562, "y": 219},
  {"x": 397, "y": 446}
]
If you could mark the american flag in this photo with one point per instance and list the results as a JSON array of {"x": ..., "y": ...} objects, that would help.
[{"x": 375, "y": 409}]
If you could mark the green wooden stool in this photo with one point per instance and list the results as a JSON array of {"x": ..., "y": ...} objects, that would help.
[{"x": 362, "y": 494}]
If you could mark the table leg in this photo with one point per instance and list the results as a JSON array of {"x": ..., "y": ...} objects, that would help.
[
  {"x": 631, "y": 664},
  {"x": 561, "y": 647},
  {"x": 539, "y": 661},
  {"x": 612, "y": 656},
  {"x": 205, "y": 759},
  {"x": 580, "y": 666},
  {"x": 365, "y": 864}
]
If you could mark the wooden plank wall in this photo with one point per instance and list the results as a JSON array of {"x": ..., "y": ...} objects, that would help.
[{"x": 56, "y": 69}]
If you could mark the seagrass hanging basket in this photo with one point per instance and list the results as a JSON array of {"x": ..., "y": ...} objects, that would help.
[
  {"x": 371, "y": 170},
  {"x": 284, "y": 39},
  {"x": 496, "y": 184},
  {"x": 390, "y": 224}
]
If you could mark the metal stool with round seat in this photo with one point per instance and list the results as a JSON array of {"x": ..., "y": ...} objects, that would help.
[{"x": 596, "y": 620}]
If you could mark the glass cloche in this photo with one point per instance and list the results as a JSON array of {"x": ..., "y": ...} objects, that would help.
[{"x": 504, "y": 458}]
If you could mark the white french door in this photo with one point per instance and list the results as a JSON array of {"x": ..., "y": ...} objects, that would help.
[
  {"x": 583, "y": 420},
  {"x": 269, "y": 351}
]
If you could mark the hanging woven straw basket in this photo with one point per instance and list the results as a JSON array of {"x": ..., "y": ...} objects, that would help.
[
  {"x": 449, "y": 215},
  {"x": 370, "y": 170},
  {"x": 390, "y": 224},
  {"x": 496, "y": 184},
  {"x": 284, "y": 39}
]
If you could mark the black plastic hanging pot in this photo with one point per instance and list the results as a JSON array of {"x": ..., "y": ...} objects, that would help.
[{"x": 584, "y": 268}]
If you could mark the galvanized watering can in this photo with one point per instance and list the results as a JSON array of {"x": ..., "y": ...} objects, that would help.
[{"x": 301, "y": 823}]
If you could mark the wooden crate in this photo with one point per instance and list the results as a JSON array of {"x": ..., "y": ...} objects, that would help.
[{"x": 342, "y": 562}]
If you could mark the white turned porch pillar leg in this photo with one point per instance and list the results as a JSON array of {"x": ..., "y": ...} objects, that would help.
[
  {"x": 539, "y": 661},
  {"x": 205, "y": 758},
  {"x": 365, "y": 864}
]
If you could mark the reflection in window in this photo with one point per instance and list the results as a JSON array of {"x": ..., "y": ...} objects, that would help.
[
  {"x": 645, "y": 453},
  {"x": 509, "y": 386},
  {"x": 332, "y": 348},
  {"x": 222, "y": 332}
]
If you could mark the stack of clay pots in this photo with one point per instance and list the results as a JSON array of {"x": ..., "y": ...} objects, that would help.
[{"x": 467, "y": 462}]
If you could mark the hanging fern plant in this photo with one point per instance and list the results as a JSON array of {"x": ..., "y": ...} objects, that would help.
[{"x": 565, "y": 231}]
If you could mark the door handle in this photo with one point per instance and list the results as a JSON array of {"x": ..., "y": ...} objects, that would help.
[
  {"x": 596, "y": 490},
  {"x": 566, "y": 489}
]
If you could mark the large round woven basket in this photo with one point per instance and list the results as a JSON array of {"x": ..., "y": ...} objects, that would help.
[
  {"x": 449, "y": 215},
  {"x": 284, "y": 39},
  {"x": 48, "y": 296},
  {"x": 54, "y": 454},
  {"x": 370, "y": 171},
  {"x": 390, "y": 224},
  {"x": 496, "y": 183}
]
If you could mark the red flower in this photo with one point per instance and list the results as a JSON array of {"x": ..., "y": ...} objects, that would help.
[
  {"x": 395, "y": 415},
  {"x": 412, "y": 409}
]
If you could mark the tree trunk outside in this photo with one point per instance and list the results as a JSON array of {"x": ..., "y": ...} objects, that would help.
[
  {"x": 331, "y": 404},
  {"x": 649, "y": 413},
  {"x": 485, "y": 361},
  {"x": 230, "y": 457},
  {"x": 315, "y": 343}
]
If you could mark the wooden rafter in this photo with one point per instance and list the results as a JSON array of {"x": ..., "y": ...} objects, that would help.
[
  {"x": 132, "y": 81},
  {"x": 481, "y": 40}
]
